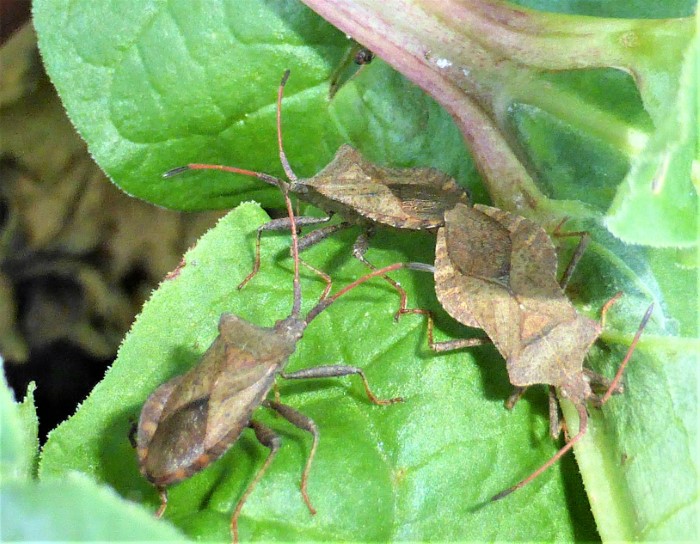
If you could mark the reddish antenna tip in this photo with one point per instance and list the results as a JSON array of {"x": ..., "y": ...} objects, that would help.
[
  {"x": 175, "y": 171},
  {"x": 285, "y": 77}
]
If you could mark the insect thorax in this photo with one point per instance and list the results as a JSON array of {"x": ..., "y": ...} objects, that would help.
[{"x": 309, "y": 192}]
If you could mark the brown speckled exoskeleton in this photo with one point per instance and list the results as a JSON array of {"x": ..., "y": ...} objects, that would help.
[{"x": 497, "y": 271}]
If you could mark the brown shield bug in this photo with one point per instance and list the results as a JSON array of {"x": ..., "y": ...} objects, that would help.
[
  {"x": 497, "y": 271},
  {"x": 191, "y": 420},
  {"x": 358, "y": 191}
]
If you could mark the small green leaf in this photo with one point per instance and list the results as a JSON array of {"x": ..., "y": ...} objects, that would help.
[
  {"x": 20, "y": 427},
  {"x": 74, "y": 508},
  {"x": 657, "y": 203}
]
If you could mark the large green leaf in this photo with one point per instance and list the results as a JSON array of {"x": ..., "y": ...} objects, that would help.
[
  {"x": 152, "y": 85},
  {"x": 421, "y": 469}
]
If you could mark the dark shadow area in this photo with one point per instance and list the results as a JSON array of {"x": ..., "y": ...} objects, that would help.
[
  {"x": 64, "y": 376},
  {"x": 582, "y": 519}
]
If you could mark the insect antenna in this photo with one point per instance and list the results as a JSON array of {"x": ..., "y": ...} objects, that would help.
[
  {"x": 267, "y": 178},
  {"x": 582, "y": 428},
  {"x": 327, "y": 301},
  {"x": 628, "y": 355},
  {"x": 283, "y": 156}
]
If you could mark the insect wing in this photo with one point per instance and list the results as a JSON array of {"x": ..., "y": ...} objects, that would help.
[
  {"x": 412, "y": 198},
  {"x": 533, "y": 258},
  {"x": 424, "y": 194},
  {"x": 476, "y": 302},
  {"x": 208, "y": 407},
  {"x": 477, "y": 244},
  {"x": 555, "y": 355}
]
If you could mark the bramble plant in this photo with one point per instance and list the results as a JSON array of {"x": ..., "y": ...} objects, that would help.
[{"x": 553, "y": 130}]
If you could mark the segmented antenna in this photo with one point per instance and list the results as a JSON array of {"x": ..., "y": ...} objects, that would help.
[
  {"x": 582, "y": 428},
  {"x": 267, "y": 178},
  {"x": 628, "y": 355},
  {"x": 283, "y": 156}
]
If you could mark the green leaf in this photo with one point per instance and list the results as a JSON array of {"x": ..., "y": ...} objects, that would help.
[
  {"x": 75, "y": 509},
  {"x": 648, "y": 433},
  {"x": 381, "y": 473},
  {"x": 626, "y": 446},
  {"x": 657, "y": 204},
  {"x": 164, "y": 85},
  {"x": 20, "y": 428}
]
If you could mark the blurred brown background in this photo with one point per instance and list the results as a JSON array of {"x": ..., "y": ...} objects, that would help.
[{"x": 77, "y": 256}]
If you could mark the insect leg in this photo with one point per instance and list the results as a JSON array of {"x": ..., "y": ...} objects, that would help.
[
  {"x": 133, "y": 428},
  {"x": 556, "y": 424},
  {"x": 514, "y": 397},
  {"x": 315, "y": 236},
  {"x": 282, "y": 223},
  {"x": 606, "y": 307},
  {"x": 325, "y": 277},
  {"x": 163, "y": 493},
  {"x": 359, "y": 249},
  {"x": 584, "y": 239},
  {"x": 582, "y": 428},
  {"x": 306, "y": 424},
  {"x": 361, "y": 57},
  {"x": 618, "y": 375},
  {"x": 342, "y": 65},
  {"x": 335, "y": 371},
  {"x": 447, "y": 345},
  {"x": 600, "y": 382},
  {"x": 270, "y": 440}
]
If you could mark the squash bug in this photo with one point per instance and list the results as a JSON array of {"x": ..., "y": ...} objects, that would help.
[{"x": 497, "y": 271}]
